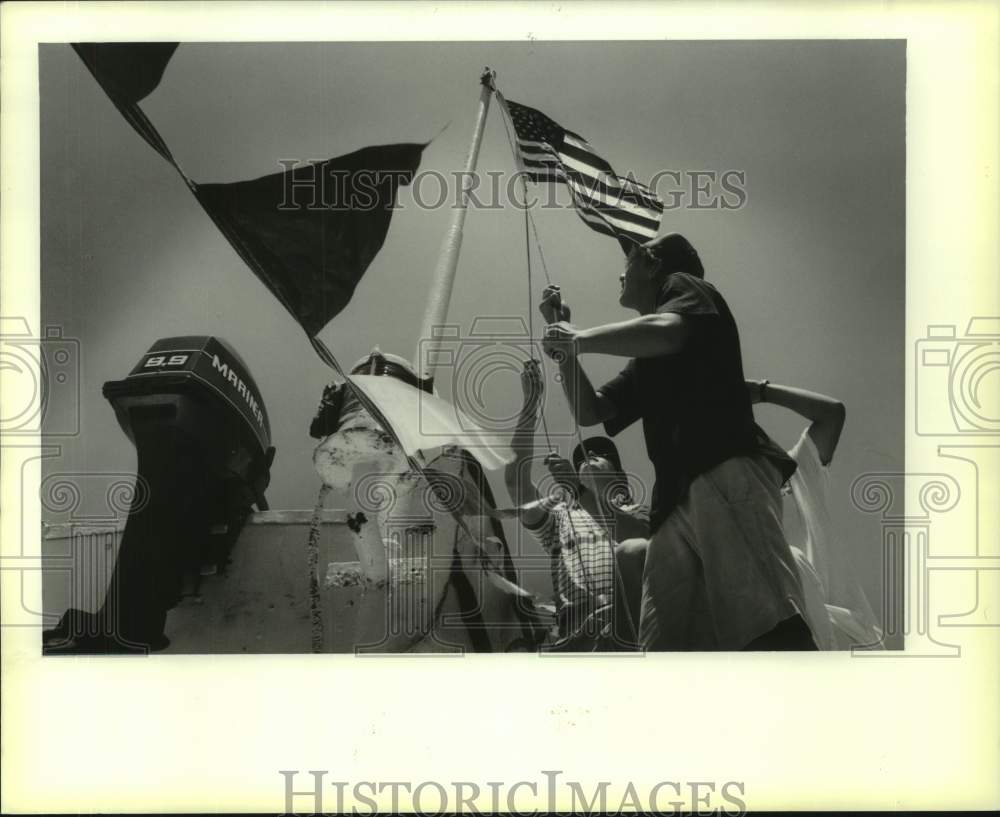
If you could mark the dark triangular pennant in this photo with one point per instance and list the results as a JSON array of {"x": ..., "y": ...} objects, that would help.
[
  {"x": 311, "y": 243},
  {"x": 128, "y": 73}
]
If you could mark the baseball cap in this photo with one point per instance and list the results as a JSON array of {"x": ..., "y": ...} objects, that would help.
[
  {"x": 676, "y": 251},
  {"x": 390, "y": 365},
  {"x": 600, "y": 447}
]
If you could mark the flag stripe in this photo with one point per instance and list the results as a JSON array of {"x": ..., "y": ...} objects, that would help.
[
  {"x": 600, "y": 199},
  {"x": 619, "y": 193},
  {"x": 610, "y": 181},
  {"x": 609, "y": 226},
  {"x": 618, "y": 224},
  {"x": 540, "y": 158},
  {"x": 607, "y": 218},
  {"x": 606, "y": 202},
  {"x": 616, "y": 201},
  {"x": 614, "y": 185},
  {"x": 596, "y": 223},
  {"x": 531, "y": 144},
  {"x": 586, "y": 156},
  {"x": 614, "y": 219},
  {"x": 593, "y": 188},
  {"x": 611, "y": 211}
]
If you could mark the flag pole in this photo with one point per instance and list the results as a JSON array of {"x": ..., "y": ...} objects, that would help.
[{"x": 444, "y": 274}]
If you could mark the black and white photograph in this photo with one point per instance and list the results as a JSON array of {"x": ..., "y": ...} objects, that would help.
[
  {"x": 596, "y": 352},
  {"x": 405, "y": 365}
]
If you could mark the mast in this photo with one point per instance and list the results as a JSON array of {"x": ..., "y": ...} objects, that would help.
[{"x": 444, "y": 275}]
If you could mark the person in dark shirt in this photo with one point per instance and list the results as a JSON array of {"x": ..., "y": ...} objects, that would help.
[{"x": 719, "y": 574}]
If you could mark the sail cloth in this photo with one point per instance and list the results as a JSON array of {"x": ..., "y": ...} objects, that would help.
[
  {"x": 851, "y": 616},
  {"x": 614, "y": 205},
  {"x": 310, "y": 250},
  {"x": 425, "y": 423}
]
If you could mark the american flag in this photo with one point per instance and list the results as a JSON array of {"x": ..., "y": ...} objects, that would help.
[{"x": 613, "y": 205}]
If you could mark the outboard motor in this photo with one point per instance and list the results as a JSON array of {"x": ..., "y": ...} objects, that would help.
[{"x": 204, "y": 450}]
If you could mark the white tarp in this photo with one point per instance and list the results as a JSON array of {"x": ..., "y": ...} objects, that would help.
[{"x": 425, "y": 423}]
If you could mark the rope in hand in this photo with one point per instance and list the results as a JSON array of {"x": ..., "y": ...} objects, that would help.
[{"x": 529, "y": 222}]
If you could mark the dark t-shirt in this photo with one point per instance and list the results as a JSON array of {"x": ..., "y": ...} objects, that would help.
[{"x": 694, "y": 405}]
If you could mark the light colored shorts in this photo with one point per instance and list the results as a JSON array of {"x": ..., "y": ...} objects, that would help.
[{"x": 719, "y": 572}]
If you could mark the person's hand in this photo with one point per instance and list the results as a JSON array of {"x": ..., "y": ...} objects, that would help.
[
  {"x": 756, "y": 389},
  {"x": 559, "y": 466},
  {"x": 559, "y": 341},
  {"x": 532, "y": 386},
  {"x": 552, "y": 307}
]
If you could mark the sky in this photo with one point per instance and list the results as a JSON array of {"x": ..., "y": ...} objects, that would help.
[{"x": 812, "y": 265}]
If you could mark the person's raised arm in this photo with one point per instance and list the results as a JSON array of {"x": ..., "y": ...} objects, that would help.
[
  {"x": 827, "y": 414},
  {"x": 517, "y": 474},
  {"x": 586, "y": 404},
  {"x": 646, "y": 336}
]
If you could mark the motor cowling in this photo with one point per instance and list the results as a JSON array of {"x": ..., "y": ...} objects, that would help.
[{"x": 203, "y": 444}]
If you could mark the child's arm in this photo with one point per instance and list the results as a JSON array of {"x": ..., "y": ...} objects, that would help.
[{"x": 517, "y": 474}]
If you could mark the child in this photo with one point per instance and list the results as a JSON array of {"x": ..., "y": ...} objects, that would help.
[{"x": 585, "y": 510}]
